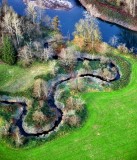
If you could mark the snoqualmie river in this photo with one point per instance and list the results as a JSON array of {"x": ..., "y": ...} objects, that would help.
[{"x": 68, "y": 19}]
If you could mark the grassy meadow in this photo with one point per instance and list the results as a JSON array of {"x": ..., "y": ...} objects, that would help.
[{"x": 109, "y": 133}]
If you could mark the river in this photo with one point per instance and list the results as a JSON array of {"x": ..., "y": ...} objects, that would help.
[{"x": 68, "y": 19}]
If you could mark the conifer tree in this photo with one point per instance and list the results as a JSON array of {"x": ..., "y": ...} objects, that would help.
[{"x": 8, "y": 51}]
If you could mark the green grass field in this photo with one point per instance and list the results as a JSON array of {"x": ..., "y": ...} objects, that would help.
[
  {"x": 16, "y": 79},
  {"x": 109, "y": 133}
]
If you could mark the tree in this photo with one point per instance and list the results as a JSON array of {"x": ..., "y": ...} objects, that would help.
[
  {"x": 8, "y": 51},
  {"x": 73, "y": 120},
  {"x": 40, "y": 11},
  {"x": 68, "y": 58},
  {"x": 16, "y": 27},
  {"x": 55, "y": 23},
  {"x": 87, "y": 28},
  {"x": 74, "y": 104},
  {"x": 11, "y": 24},
  {"x": 38, "y": 116},
  {"x": 40, "y": 89},
  {"x": 31, "y": 12},
  {"x": 18, "y": 137},
  {"x": 47, "y": 53},
  {"x": 25, "y": 54}
]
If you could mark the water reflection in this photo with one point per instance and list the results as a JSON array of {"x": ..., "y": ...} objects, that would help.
[
  {"x": 77, "y": 2},
  {"x": 129, "y": 38}
]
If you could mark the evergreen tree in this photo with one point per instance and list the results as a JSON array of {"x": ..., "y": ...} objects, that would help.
[{"x": 8, "y": 51}]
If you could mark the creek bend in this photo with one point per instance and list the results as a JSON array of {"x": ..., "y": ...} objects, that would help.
[{"x": 51, "y": 97}]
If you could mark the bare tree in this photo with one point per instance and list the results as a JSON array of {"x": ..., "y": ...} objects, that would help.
[
  {"x": 25, "y": 54},
  {"x": 31, "y": 12},
  {"x": 47, "y": 53},
  {"x": 87, "y": 28},
  {"x": 11, "y": 24},
  {"x": 40, "y": 89},
  {"x": 38, "y": 116}
]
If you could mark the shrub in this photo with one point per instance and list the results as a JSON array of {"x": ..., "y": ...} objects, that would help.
[
  {"x": 73, "y": 120},
  {"x": 38, "y": 116},
  {"x": 123, "y": 48},
  {"x": 40, "y": 89}
]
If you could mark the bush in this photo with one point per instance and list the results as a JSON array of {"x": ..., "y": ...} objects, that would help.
[
  {"x": 8, "y": 52},
  {"x": 72, "y": 121},
  {"x": 40, "y": 89}
]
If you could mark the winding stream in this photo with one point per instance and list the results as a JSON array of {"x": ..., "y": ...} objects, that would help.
[
  {"x": 51, "y": 95},
  {"x": 68, "y": 20}
]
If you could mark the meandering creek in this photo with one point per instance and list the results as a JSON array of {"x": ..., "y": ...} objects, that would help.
[
  {"x": 69, "y": 18},
  {"x": 51, "y": 95}
]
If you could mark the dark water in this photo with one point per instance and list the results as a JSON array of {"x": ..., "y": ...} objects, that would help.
[{"x": 69, "y": 18}]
